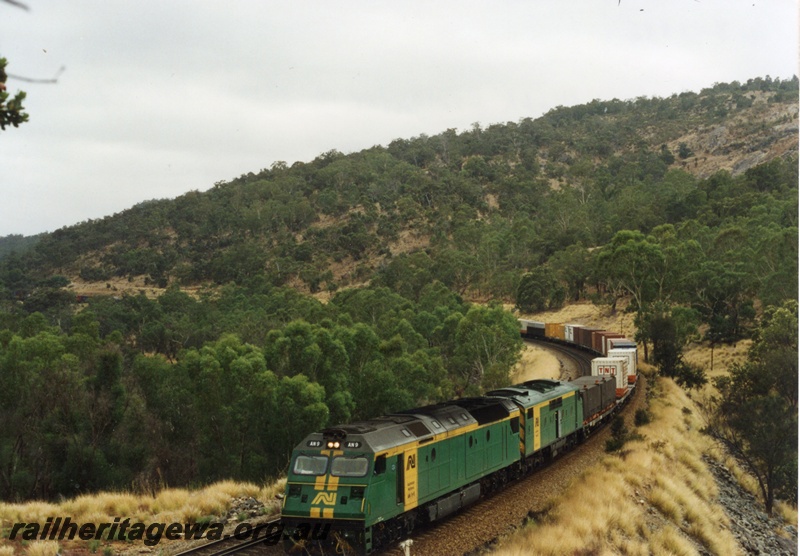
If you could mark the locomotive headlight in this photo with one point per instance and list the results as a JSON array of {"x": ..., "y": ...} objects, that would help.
[{"x": 333, "y": 444}]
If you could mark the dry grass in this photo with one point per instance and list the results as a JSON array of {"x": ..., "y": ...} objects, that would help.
[
  {"x": 724, "y": 358},
  {"x": 535, "y": 362},
  {"x": 656, "y": 498},
  {"x": 42, "y": 548},
  {"x": 787, "y": 512},
  {"x": 180, "y": 504},
  {"x": 670, "y": 540},
  {"x": 169, "y": 505}
]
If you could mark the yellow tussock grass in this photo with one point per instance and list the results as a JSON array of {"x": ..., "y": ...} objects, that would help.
[
  {"x": 42, "y": 548},
  {"x": 210, "y": 502},
  {"x": 787, "y": 512},
  {"x": 580, "y": 523},
  {"x": 172, "y": 504},
  {"x": 6, "y": 551},
  {"x": 670, "y": 541},
  {"x": 234, "y": 489},
  {"x": 169, "y": 499},
  {"x": 30, "y": 511},
  {"x": 663, "y": 501},
  {"x": 269, "y": 493}
]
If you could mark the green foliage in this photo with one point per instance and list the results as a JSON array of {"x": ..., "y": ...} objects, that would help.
[
  {"x": 11, "y": 111},
  {"x": 16, "y": 243},
  {"x": 619, "y": 435},
  {"x": 487, "y": 346},
  {"x": 684, "y": 151},
  {"x": 669, "y": 329},
  {"x": 573, "y": 265},
  {"x": 634, "y": 265},
  {"x": 756, "y": 414},
  {"x": 481, "y": 205},
  {"x": 181, "y": 390},
  {"x": 539, "y": 290}
]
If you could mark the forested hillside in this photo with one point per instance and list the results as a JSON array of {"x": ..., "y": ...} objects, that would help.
[
  {"x": 470, "y": 209},
  {"x": 683, "y": 207}
]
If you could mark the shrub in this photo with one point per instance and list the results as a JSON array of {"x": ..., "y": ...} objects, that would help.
[{"x": 642, "y": 417}]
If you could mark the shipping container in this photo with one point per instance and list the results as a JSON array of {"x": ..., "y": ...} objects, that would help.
[
  {"x": 631, "y": 355},
  {"x": 621, "y": 343},
  {"x": 569, "y": 332},
  {"x": 554, "y": 330},
  {"x": 599, "y": 394},
  {"x": 600, "y": 340},
  {"x": 613, "y": 366},
  {"x": 584, "y": 336},
  {"x": 531, "y": 328}
]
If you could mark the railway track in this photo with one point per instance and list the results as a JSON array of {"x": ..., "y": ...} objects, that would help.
[{"x": 257, "y": 543}]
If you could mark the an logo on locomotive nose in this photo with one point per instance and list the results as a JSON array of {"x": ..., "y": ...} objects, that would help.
[{"x": 325, "y": 498}]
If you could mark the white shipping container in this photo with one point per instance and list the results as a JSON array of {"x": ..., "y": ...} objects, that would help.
[
  {"x": 612, "y": 366},
  {"x": 631, "y": 356},
  {"x": 569, "y": 332}
]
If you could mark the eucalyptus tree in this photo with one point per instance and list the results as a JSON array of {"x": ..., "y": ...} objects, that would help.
[
  {"x": 756, "y": 413},
  {"x": 11, "y": 111}
]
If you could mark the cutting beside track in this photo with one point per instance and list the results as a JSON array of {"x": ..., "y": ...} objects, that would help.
[{"x": 574, "y": 363}]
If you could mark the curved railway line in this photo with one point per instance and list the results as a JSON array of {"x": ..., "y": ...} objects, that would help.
[
  {"x": 475, "y": 528},
  {"x": 574, "y": 362},
  {"x": 254, "y": 544}
]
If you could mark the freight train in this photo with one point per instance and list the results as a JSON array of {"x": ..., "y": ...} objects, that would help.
[{"x": 364, "y": 485}]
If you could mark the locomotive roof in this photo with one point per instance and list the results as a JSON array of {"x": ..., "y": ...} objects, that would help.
[
  {"x": 533, "y": 392},
  {"x": 412, "y": 425}
]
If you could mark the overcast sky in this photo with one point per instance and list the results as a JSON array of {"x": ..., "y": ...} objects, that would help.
[{"x": 163, "y": 97}]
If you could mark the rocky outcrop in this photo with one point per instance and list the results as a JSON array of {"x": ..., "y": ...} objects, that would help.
[
  {"x": 748, "y": 161},
  {"x": 756, "y": 532}
]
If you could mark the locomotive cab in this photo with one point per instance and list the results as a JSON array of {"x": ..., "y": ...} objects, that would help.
[{"x": 327, "y": 480}]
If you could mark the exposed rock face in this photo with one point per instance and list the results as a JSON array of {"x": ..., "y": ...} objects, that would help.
[
  {"x": 762, "y": 133},
  {"x": 750, "y": 160},
  {"x": 755, "y": 531},
  {"x": 715, "y": 140}
]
